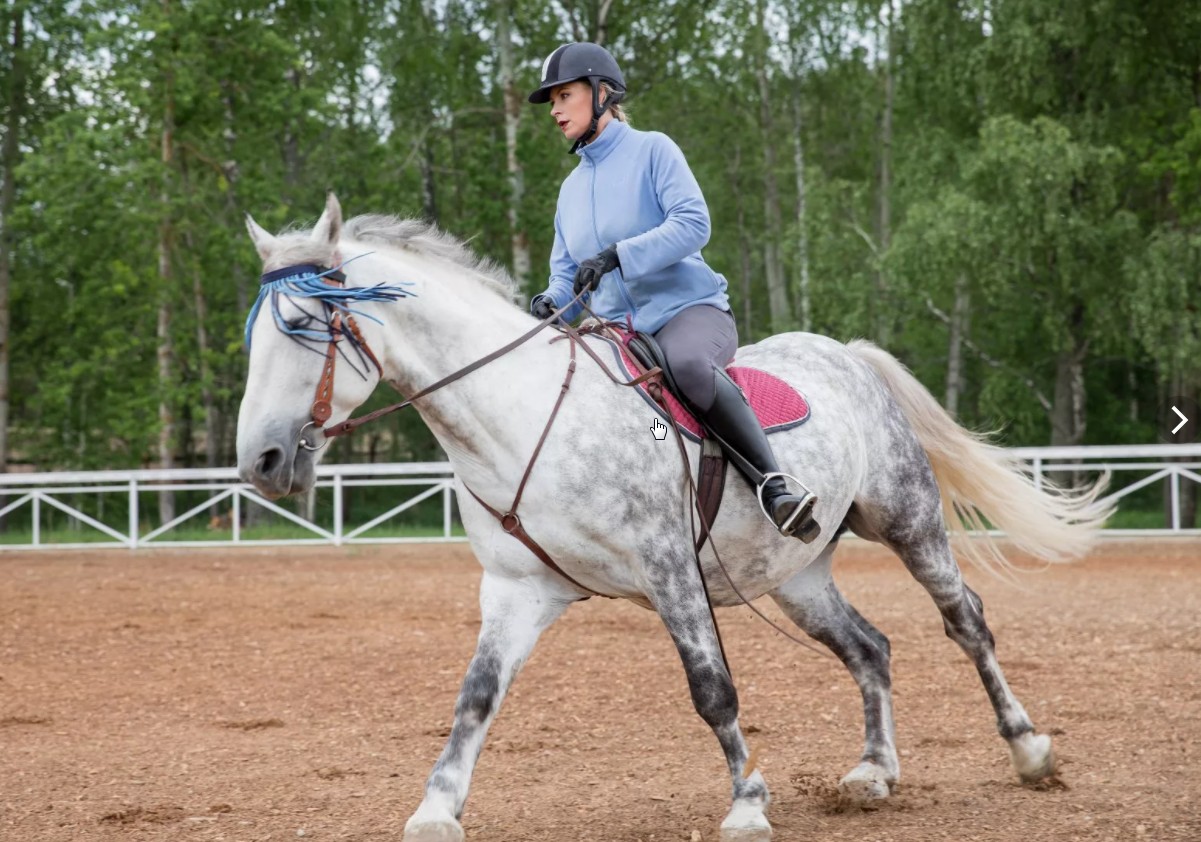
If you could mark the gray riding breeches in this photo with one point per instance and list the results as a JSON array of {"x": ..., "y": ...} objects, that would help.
[{"x": 695, "y": 341}]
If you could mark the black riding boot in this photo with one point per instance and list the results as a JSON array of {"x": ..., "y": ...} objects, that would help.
[{"x": 732, "y": 418}]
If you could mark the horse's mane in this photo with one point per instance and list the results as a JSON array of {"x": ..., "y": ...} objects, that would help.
[{"x": 427, "y": 239}]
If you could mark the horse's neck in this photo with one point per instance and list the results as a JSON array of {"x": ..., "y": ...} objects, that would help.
[{"x": 482, "y": 420}]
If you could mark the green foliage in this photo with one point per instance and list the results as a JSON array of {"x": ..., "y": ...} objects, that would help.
[{"x": 1044, "y": 165}]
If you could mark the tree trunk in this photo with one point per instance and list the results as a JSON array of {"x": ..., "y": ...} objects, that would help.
[
  {"x": 8, "y": 191},
  {"x": 212, "y": 436},
  {"x": 166, "y": 418},
  {"x": 1067, "y": 412},
  {"x": 884, "y": 317},
  {"x": 601, "y": 28},
  {"x": 292, "y": 140},
  {"x": 518, "y": 242},
  {"x": 429, "y": 196},
  {"x": 744, "y": 245},
  {"x": 777, "y": 293},
  {"x": 1067, "y": 407},
  {"x": 960, "y": 317},
  {"x": 804, "y": 314},
  {"x": 229, "y": 168}
]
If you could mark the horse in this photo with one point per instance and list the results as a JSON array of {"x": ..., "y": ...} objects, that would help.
[{"x": 608, "y": 502}]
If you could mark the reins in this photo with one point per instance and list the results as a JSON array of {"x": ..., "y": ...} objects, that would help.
[{"x": 510, "y": 521}]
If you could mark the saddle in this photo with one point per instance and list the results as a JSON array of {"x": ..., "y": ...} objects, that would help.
[{"x": 777, "y": 405}]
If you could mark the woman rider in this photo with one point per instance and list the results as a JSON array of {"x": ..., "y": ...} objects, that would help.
[{"x": 629, "y": 226}]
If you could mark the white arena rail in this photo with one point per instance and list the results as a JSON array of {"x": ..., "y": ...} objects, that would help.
[
  {"x": 138, "y": 491},
  {"x": 23, "y": 497}
]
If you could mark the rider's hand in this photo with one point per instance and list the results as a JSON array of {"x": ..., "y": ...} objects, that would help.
[
  {"x": 542, "y": 307},
  {"x": 589, "y": 273}
]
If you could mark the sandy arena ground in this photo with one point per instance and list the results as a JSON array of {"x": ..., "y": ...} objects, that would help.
[{"x": 269, "y": 694}]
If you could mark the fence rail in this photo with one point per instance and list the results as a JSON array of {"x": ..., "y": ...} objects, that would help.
[{"x": 1133, "y": 468}]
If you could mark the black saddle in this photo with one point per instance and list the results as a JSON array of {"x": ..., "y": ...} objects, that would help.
[{"x": 646, "y": 350}]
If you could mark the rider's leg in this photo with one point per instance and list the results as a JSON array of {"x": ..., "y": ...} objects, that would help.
[
  {"x": 698, "y": 343},
  {"x": 732, "y": 418}
]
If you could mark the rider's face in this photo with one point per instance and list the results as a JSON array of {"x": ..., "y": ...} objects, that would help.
[{"x": 571, "y": 108}]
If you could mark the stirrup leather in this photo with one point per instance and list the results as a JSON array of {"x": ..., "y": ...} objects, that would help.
[{"x": 789, "y": 526}]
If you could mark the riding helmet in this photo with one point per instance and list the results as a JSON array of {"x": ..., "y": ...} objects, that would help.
[{"x": 578, "y": 61}]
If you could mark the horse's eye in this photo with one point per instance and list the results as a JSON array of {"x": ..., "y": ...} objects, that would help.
[{"x": 300, "y": 322}]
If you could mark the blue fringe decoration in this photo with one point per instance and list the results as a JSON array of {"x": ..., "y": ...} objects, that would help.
[{"x": 307, "y": 284}]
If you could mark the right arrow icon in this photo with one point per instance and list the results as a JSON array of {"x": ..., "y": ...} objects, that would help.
[
  {"x": 1183, "y": 421},
  {"x": 1177, "y": 418}
]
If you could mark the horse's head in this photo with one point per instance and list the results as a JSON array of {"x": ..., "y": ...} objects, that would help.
[{"x": 313, "y": 346}]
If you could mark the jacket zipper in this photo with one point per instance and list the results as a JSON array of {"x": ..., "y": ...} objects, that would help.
[{"x": 621, "y": 282}]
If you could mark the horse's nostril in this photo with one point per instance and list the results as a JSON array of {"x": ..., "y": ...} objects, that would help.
[{"x": 269, "y": 461}]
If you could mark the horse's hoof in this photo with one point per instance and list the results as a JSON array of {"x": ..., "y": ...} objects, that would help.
[
  {"x": 864, "y": 784},
  {"x": 1033, "y": 757},
  {"x": 444, "y": 831},
  {"x": 746, "y": 823}
]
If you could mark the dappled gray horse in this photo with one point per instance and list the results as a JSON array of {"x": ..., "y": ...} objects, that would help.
[{"x": 608, "y": 502}]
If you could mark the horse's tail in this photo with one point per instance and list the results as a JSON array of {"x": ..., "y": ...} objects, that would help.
[{"x": 980, "y": 481}]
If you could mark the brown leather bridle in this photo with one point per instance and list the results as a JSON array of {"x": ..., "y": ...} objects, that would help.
[
  {"x": 509, "y": 520},
  {"x": 322, "y": 399}
]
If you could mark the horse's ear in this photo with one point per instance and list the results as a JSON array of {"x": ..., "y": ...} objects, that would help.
[
  {"x": 329, "y": 226},
  {"x": 264, "y": 243}
]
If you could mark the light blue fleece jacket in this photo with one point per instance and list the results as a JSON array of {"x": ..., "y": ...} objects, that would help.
[{"x": 634, "y": 189}]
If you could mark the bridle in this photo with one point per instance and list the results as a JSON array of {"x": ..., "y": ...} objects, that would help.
[
  {"x": 341, "y": 325},
  {"x": 322, "y": 407},
  {"x": 344, "y": 325}
]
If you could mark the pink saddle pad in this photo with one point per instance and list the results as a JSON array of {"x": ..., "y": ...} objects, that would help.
[{"x": 777, "y": 405}]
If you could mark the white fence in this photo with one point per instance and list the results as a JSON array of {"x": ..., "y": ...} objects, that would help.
[{"x": 134, "y": 494}]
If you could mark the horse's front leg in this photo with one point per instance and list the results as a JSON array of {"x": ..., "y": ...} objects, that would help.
[
  {"x": 679, "y": 597},
  {"x": 514, "y": 612}
]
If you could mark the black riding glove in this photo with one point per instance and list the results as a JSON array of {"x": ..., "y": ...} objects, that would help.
[
  {"x": 542, "y": 307},
  {"x": 588, "y": 275}
]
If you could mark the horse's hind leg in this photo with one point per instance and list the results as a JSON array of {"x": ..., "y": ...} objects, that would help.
[
  {"x": 677, "y": 592},
  {"x": 813, "y": 602},
  {"x": 917, "y": 533},
  {"x": 513, "y": 614}
]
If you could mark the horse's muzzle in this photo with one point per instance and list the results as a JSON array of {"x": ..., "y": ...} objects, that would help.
[{"x": 278, "y": 471}]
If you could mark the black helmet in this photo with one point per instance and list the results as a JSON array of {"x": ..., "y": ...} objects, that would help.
[
  {"x": 578, "y": 61},
  {"x": 584, "y": 60}
]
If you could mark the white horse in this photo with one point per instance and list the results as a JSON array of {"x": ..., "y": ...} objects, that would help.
[{"x": 607, "y": 500}]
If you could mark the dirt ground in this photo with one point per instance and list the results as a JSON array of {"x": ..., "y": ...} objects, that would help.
[{"x": 282, "y": 694}]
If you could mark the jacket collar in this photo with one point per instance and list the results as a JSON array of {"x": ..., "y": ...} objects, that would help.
[{"x": 599, "y": 149}]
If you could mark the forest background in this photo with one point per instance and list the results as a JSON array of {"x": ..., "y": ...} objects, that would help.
[{"x": 1006, "y": 194}]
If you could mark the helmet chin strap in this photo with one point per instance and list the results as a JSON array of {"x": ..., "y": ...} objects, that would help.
[{"x": 598, "y": 111}]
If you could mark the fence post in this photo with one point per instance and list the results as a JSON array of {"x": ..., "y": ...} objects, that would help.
[
  {"x": 133, "y": 514},
  {"x": 236, "y": 515},
  {"x": 36, "y": 505},
  {"x": 446, "y": 509},
  {"x": 1175, "y": 484},
  {"x": 338, "y": 509}
]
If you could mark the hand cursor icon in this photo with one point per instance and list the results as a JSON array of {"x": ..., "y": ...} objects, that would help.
[{"x": 659, "y": 430}]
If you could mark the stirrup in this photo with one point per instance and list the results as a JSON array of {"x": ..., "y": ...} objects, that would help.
[{"x": 789, "y": 526}]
